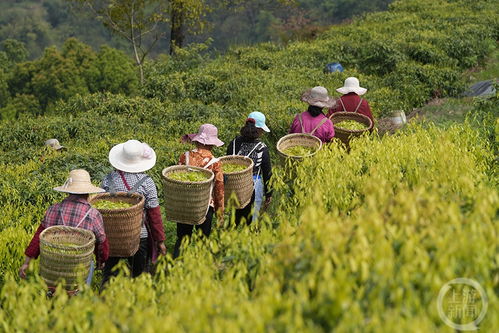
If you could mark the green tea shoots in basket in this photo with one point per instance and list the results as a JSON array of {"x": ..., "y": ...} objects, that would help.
[
  {"x": 108, "y": 204},
  {"x": 299, "y": 151},
  {"x": 232, "y": 167},
  {"x": 188, "y": 176},
  {"x": 352, "y": 125}
]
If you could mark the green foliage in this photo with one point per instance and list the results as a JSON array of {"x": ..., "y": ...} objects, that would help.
[
  {"x": 74, "y": 70},
  {"x": 365, "y": 244}
]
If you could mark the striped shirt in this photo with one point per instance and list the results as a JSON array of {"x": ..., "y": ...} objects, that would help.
[{"x": 147, "y": 189}]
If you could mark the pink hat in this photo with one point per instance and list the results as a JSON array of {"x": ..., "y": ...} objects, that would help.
[{"x": 207, "y": 135}]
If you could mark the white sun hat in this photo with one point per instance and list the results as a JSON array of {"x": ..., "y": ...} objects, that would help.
[
  {"x": 318, "y": 96},
  {"x": 54, "y": 144},
  {"x": 132, "y": 156},
  {"x": 351, "y": 85},
  {"x": 79, "y": 182}
]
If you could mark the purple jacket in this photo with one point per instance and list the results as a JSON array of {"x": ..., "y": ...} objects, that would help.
[{"x": 312, "y": 125}]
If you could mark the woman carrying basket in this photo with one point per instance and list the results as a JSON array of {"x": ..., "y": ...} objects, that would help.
[
  {"x": 201, "y": 156},
  {"x": 73, "y": 211},
  {"x": 130, "y": 160},
  {"x": 313, "y": 121},
  {"x": 249, "y": 144},
  {"x": 351, "y": 100}
]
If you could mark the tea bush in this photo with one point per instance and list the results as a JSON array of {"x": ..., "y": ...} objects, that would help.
[{"x": 358, "y": 241}]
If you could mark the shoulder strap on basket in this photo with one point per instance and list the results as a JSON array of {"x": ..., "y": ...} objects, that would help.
[
  {"x": 212, "y": 161},
  {"x": 358, "y": 106},
  {"x": 318, "y": 125},
  {"x": 234, "y": 147},
  {"x": 187, "y": 157},
  {"x": 301, "y": 123},
  {"x": 112, "y": 184},
  {"x": 343, "y": 105},
  {"x": 137, "y": 185},
  {"x": 84, "y": 217},
  {"x": 254, "y": 148},
  {"x": 62, "y": 217}
]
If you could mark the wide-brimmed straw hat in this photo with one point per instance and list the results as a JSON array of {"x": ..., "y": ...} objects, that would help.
[
  {"x": 132, "y": 156},
  {"x": 351, "y": 85},
  {"x": 318, "y": 96},
  {"x": 206, "y": 135},
  {"x": 54, "y": 143},
  {"x": 79, "y": 182}
]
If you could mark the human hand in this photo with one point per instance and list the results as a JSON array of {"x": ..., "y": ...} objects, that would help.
[
  {"x": 100, "y": 265},
  {"x": 161, "y": 248},
  {"x": 22, "y": 271},
  {"x": 24, "y": 267}
]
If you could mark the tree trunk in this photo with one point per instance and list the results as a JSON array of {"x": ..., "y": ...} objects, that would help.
[{"x": 177, "y": 32}]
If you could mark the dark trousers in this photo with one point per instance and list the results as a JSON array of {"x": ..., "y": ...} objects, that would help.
[
  {"x": 137, "y": 263},
  {"x": 184, "y": 230},
  {"x": 245, "y": 213}
]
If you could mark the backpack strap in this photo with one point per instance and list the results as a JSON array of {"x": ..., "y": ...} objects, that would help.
[
  {"x": 111, "y": 184},
  {"x": 211, "y": 162},
  {"x": 84, "y": 217},
  {"x": 322, "y": 122},
  {"x": 358, "y": 106},
  {"x": 343, "y": 105},
  {"x": 301, "y": 123},
  {"x": 254, "y": 148},
  {"x": 137, "y": 185}
]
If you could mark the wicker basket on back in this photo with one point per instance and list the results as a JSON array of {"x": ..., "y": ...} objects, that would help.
[
  {"x": 241, "y": 182},
  {"x": 298, "y": 139},
  {"x": 344, "y": 134},
  {"x": 122, "y": 225},
  {"x": 65, "y": 254},
  {"x": 185, "y": 201}
]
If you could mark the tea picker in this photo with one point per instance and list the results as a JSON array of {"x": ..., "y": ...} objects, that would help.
[
  {"x": 66, "y": 237},
  {"x": 142, "y": 228},
  {"x": 250, "y": 145}
]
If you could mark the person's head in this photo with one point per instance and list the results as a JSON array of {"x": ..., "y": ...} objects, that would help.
[
  {"x": 255, "y": 126},
  {"x": 206, "y": 137},
  {"x": 132, "y": 156},
  {"x": 54, "y": 144},
  {"x": 318, "y": 96},
  {"x": 79, "y": 183},
  {"x": 314, "y": 110},
  {"x": 352, "y": 85}
]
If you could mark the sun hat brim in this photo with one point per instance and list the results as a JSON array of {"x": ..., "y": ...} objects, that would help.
[
  {"x": 358, "y": 90},
  {"x": 327, "y": 103},
  {"x": 79, "y": 189},
  {"x": 264, "y": 127},
  {"x": 117, "y": 161},
  {"x": 213, "y": 141}
]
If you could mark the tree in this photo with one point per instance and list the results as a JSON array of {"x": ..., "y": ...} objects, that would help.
[{"x": 138, "y": 21}]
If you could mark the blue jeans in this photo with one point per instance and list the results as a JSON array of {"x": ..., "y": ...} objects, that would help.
[
  {"x": 258, "y": 196},
  {"x": 90, "y": 272}
]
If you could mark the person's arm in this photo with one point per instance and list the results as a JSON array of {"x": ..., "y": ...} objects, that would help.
[
  {"x": 230, "y": 147},
  {"x": 367, "y": 109},
  {"x": 153, "y": 214},
  {"x": 329, "y": 131},
  {"x": 101, "y": 250},
  {"x": 105, "y": 183},
  {"x": 219, "y": 189},
  {"x": 266, "y": 171},
  {"x": 32, "y": 251},
  {"x": 295, "y": 126}
]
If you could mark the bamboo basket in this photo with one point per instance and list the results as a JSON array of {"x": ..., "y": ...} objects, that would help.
[
  {"x": 65, "y": 255},
  {"x": 186, "y": 202},
  {"x": 240, "y": 183},
  {"x": 343, "y": 134},
  {"x": 123, "y": 225},
  {"x": 298, "y": 139}
]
